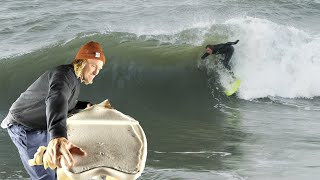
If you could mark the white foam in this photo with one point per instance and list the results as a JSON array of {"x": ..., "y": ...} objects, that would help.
[
  {"x": 196, "y": 152},
  {"x": 275, "y": 60}
]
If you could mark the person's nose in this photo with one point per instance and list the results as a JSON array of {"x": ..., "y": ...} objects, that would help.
[{"x": 96, "y": 72}]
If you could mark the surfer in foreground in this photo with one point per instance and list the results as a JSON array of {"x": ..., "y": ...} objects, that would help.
[
  {"x": 225, "y": 49},
  {"x": 38, "y": 117}
]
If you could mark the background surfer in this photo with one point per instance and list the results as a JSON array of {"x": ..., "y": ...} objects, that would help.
[
  {"x": 38, "y": 116},
  {"x": 225, "y": 49}
]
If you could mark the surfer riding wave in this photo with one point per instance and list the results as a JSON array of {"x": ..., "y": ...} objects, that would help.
[{"x": 225, "y": 49}]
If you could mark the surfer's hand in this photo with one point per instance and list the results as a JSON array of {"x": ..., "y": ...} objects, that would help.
[
  {"x": 61, "y": 149},
  {"x": 89, "y": 105}
]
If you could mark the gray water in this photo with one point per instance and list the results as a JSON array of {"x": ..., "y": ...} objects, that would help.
[
  {"x": 29, "y": 25},
  {"x": 268, "y": 130}
]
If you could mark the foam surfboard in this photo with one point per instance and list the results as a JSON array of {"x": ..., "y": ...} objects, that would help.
[
  {"x": 233, "y": 87},
  {"x": 115, "y": 143}
]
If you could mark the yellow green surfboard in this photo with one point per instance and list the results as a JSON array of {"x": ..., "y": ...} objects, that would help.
[{"x": 233, "y": 88}]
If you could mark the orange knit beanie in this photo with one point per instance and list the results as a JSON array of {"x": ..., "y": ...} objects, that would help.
[{"x": 91, "y": 50}]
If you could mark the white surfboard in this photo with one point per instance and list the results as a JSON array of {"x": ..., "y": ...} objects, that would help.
[{"x": 115, "y": 143}]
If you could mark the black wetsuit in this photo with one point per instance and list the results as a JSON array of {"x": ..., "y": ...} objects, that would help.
[
  {"x": 225, "y": 49},
  {"x": 46, "y": 103}
]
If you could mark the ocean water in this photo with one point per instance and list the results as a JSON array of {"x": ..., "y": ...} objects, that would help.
[{"x": 267, "y": 131}]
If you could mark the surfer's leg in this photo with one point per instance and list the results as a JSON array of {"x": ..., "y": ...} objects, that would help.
[
  {"x": 27, "y": 142},
  {"x": 227, "y": 58},
  {"x": 226, "y": 65}
]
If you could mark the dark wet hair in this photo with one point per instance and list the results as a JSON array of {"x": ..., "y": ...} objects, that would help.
[{"x": 209, "y": 46}]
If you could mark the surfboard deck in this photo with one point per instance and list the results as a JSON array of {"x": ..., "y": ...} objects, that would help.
[
  {"x": 233, "y": 88},
  {"x": 115, "y": 143}
]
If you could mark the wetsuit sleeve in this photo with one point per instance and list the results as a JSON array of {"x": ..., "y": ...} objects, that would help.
[
  {"x": 57, "y": 104},
  {"x": 223, "y": 48},
  {"x": 79, "y": 106},
  {"x": 82, "y": 104},
  {"x": 218, "y": 48}
]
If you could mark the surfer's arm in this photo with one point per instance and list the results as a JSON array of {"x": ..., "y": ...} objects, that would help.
[
  {"x": 218, "y": 48},
  {"x": 60, "y": 90},
  {"x": 232, "y": 43},
  {"x": 57, "y": 104},
  {"x": 222, "y": 48}
]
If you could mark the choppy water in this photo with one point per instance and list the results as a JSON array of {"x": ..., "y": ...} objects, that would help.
[{"x": 269, "y": 130}]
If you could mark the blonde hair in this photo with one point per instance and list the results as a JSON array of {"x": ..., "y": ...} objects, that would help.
[{"x": 78, "y": 66}]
